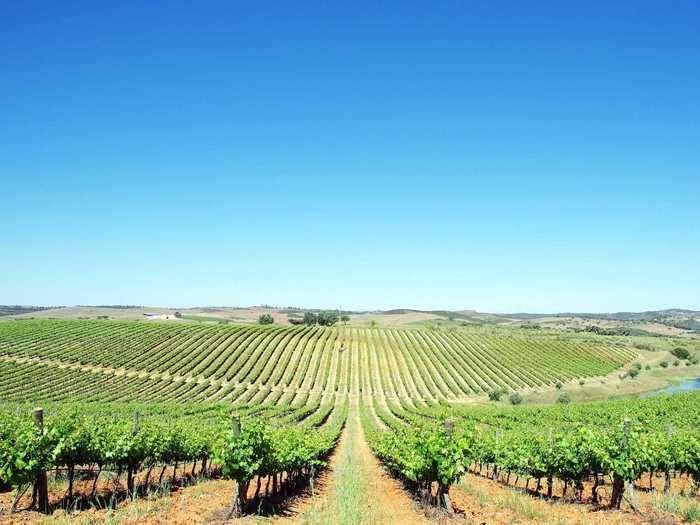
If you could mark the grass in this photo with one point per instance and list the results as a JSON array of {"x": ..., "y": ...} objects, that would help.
[
  {"x": 348, "y": 500},
  {"x": 514, "y": 500},
  {"x": 521, "y": 505},
  {"x": 136, "y": 509},
  {"x": 205, "y": 319},
  {"x": 686, "y": 508},
  {"x": 612, "y": 387}
]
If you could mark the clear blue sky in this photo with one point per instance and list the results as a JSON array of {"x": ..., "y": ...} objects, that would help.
[{"x": 503, "y": 156}]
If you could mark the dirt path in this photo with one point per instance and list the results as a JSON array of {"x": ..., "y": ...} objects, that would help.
[{"x": 359, "y": 491}]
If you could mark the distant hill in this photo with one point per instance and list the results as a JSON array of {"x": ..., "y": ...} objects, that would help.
[
  {"x": 18, "y": 310},
  {"x": 112, "y": 306},
  {"x": 652, "y": 315},
  {"x": 442, "y": 313},
  {"x": 672, "y": 321}
]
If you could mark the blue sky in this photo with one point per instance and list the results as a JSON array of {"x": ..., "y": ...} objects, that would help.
[{"x": 502, "y": 156}]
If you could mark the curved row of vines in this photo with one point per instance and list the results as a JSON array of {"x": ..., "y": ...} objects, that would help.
[{"x": 278, "y": 365}]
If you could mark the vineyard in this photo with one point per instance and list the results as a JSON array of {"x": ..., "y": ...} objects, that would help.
[
  {"x": 128, "y": 361},
  {"x": 130, "y": 441},
  {"x": 129, "y": 406},
  {"x": 621, "y": 443}
]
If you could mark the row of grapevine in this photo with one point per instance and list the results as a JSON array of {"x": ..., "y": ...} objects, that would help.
[
  {"x": 428, "y": 458},
  {"x": 287, "y": 363},
  {"x": 623, "y": 453},
  {"x": 292, "y": 454},
  {"x": 625, "y": 441},
  {"x": 89, "y": 437},
  {"x": 107, "y": 443}
]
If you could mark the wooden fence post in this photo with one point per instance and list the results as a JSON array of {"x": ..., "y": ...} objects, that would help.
[
  {"x": 443, "y": 491},
  {"x": 550, "y": 481},
  {"x": 238, "y": 493},
  {"x": 41, "y": 485},
  {"x": 449, "y": 428},
  {"x": 667, "y": 473},
  {"x": 236, "y": 425},
  {"x": 494, "y": 471},
  {"x": 630, "y": 484},
  {"x": 130, "y": 489}
]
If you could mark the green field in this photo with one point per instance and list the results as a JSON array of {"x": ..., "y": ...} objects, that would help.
[
  {"x": 125, "y": 397},
  {"x": 127, "y": 361}
]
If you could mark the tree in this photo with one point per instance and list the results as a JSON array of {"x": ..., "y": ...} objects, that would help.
[
  {"x": 515, "y": 398},
  {"x": 345, "y": 318},
  {"x": 178, "y": 315},
  {"x": 495, "y": 395},
  {"x": 310, "y": 318},
  {"x": 564, "y": 398},
  {"x": 680, "y": 353},
  {"x": 327, "y": 317},
  {"x": 266, "y": 319}
]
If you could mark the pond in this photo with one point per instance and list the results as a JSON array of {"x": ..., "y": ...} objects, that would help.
[{"x": 686, "y": 385}]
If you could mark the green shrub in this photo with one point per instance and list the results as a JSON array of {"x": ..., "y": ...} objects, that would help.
[
  {"x": 638, "y": 366},
  {"x": 265, "y": 319},
  {"x": 663, "y": 364},
  {"x": 559, "y": 385},
  {"x": 515, "y": 398},
  {"x": 564, "y": 398},
  {"x": 680, "y": 353},
  {"x": 581, "y": 382},
  {"x": 633, "y": 372},
  {"x": 495, "y": 395},
  {"x": 676, "y": 362}
]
